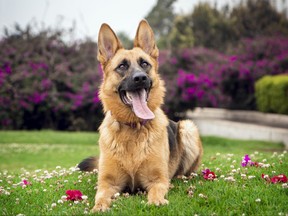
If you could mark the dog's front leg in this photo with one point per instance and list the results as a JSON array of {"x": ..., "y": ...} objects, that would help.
[
  {"x": 157, "y": 192},
  {"x": 110, "y": 182},
  {"x": 156, "y": 181}
]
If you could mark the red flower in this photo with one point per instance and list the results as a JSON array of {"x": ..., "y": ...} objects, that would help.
[
  {"x": 74, "y": 195},
  {"x": 208, "y": 175},
  {"x": 275, "y": 179},
  {"x": 280, "y": 178}
]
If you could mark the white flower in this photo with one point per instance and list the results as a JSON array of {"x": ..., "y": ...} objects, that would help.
[
  {"x": 251, "y": 177},
  {"x": 76, "y": 201},
  {"x": 258, "y": 200},
  {"x": 53, "y": 205},
  {"x": 230, "y": 178},
  {"x": 201, "y": 195},
  {"x": 64, "y": 197},
  {"x": 58, "y": 167},
  {"x": 116, "y": 195},
  {"x": 84, "y": 197},
  {"x": 194, "y": 174},
  {"x": 60, "y": 201},
  {"x": 285, "y": 185}
]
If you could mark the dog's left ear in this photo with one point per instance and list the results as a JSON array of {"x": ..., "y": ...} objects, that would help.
[{"x": 145, "y": 39}]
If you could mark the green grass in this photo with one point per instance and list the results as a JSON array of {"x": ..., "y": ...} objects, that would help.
[{"x": 35, "y": 155}]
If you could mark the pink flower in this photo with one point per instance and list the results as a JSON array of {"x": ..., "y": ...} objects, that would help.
[
  {"x": 74, "y": 195},
  {"x": 247, "y": 161},
  {"x": 25, "y": 182}
]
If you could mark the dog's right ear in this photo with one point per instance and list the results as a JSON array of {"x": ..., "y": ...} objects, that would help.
[{"x": 108, "y": 44}]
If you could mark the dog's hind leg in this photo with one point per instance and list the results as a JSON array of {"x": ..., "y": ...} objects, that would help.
[{"x": 192, "y": 147}]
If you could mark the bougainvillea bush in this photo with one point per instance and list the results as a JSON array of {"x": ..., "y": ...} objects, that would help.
[
  {"x": 48, "y": 83},
  {"x": 203, "y": 77}
]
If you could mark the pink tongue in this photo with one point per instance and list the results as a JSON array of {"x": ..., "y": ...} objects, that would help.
[{"x": 139, "y": 104}]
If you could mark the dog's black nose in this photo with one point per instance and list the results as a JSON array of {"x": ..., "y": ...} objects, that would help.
[{"x": 139, "y": 77}]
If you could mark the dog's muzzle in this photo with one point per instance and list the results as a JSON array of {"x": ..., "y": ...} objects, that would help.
[{"x": 134, "y": 91}]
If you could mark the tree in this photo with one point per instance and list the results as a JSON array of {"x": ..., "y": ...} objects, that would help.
[
  {"x": 212, "y": 27},
  {"x": 181, "y": 35},
  {"x": 125, "y": 40},
  {"x": 254, "y": 18},
  {"x": 161, "y": 19}
]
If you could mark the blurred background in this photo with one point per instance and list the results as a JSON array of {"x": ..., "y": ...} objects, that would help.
[{"x": 221, "y": 54}]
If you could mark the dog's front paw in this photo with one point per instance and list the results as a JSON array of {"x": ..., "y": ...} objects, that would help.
[
  {"x": 100, "y": 207},
  {"x": 158, "y": 202}
]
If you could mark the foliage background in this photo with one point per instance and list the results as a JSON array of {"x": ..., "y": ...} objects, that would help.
[{"x": 210, "y": 57}]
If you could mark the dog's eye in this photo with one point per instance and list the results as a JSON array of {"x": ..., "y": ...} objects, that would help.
[
  {"x": 144, "y": 64},
  {"x": 122, "y": 67}
]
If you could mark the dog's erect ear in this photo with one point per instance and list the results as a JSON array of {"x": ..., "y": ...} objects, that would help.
[
  {"x": 108, "y": 43},
  {"x": 145, "y": 39}
]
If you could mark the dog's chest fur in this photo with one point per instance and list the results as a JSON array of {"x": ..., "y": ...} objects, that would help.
[{"x": 130, "y": 147}]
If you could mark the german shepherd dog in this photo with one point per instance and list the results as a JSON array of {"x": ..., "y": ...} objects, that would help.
[{"x": 139, "y": 146}]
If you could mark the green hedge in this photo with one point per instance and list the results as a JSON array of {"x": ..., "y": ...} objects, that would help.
[{"x": 272, "y": 94}]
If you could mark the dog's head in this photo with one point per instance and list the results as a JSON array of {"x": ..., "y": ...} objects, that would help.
[{"x": 131, "y": 88}]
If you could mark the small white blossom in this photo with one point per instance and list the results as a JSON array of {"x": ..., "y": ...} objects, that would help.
[
  {"x": 53, "y": 205},
  {"x": 251, "y": 177},
  {"x": 116, "y": 195},
  {"x": 258, "y": 200},
  {"x": 64, "y": 197}
]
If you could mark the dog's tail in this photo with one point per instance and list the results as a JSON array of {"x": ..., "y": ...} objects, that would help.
[{"x": 88, "y": 164}]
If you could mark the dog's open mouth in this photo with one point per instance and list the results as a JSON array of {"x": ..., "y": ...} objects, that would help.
[{"x": 138, "y": 101}]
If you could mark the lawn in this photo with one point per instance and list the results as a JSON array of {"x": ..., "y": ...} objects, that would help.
[{"x": 46, "y": 161}]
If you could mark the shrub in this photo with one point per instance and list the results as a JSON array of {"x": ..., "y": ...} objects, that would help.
[
  {"x": 272, "y": 94},
  {"x": 203, "y": 77},
  {"x": 47, "y": 83}
]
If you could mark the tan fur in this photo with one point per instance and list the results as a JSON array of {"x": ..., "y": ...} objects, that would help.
[{"x": 138, "y": 157}]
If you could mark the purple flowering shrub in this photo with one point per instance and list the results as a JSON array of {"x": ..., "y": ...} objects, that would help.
[
  {"x": 252, "y": 60},
  {"x": 47, "y": 83},
  {"x": 207, "y": 78}
]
